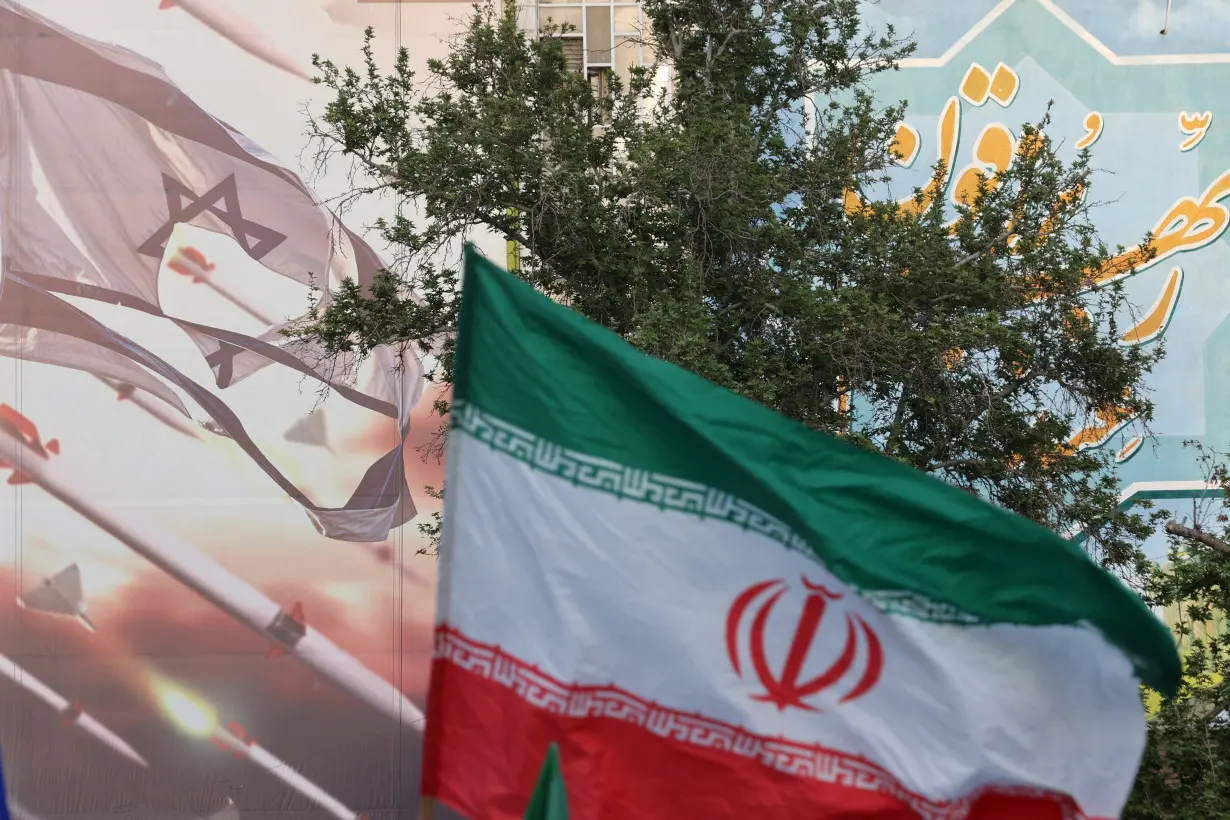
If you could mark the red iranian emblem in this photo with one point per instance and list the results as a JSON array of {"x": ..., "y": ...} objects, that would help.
[{"x": 785, "y": 689}]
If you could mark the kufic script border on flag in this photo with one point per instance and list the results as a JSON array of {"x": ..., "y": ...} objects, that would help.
[
  {"x": 825, "y": 775},
  {"x": 670, "y": 493}
]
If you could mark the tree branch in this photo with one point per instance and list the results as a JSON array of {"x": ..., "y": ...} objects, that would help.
[
  {"x": 894, "y": 431},
  {"x": 1198, "y": 536},
  {"x": 990, "y": 248},
  {"x": 956, "y": 462}
]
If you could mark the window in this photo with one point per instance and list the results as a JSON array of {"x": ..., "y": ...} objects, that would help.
[
  {"x": 600, "y": 79},
  {"x": 574, "y": 53}
]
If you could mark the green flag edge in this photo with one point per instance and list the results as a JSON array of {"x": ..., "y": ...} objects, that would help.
[{"x": 879, "y": 525}]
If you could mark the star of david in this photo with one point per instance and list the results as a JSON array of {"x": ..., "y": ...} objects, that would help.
[
  {"x": 222, "y": 201},
  {"x": 222, "y": 361}
]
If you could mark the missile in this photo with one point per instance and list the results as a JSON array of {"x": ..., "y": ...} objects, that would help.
[
  {"x": 207, "y": 578},
  {"x": 241, "y": 32},
  {"x": 29, "y": 435},
  {"x": 72, "y": 713},
  {"x": 282, "y": 771},
  {"x": 190, "y": 262},
  {"x": 296, "y": 617},
  {"x": 196, "y": 718},
  {"x": 164, "y": 414},
  {"x": 59, "y": 595}
]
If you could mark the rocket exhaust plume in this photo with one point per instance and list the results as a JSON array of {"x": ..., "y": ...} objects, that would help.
[
  {"x": 72, "y": 713},
  {"x": 206, "y": 577},
  {"x": 196, "y": 718}
]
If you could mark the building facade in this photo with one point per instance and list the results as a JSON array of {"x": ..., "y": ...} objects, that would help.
[{"x": 600, "y": 37}]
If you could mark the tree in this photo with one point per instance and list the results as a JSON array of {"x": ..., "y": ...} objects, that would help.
[
  {"x": 735, "y": 224},
  {"x": 1185, "y": 774}
]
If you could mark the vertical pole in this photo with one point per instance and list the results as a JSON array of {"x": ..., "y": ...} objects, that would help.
[
  {"x": 514, "y": 250},
  {"x": 1166, "y": 25}
]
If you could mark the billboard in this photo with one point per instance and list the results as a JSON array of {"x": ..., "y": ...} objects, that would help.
[
  {"x": 207, "y": 607},
  {"x": 1142, "y": 87}
]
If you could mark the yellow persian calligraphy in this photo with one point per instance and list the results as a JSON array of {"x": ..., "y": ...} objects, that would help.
[
  {"x": 946, "y": 133},
  {"x": 842, "y": 405},
  {"x": 993, "y": 153},
  {"x": 1195, "y": 126},
  {"x": 1094, "y": 123},
  {"x": 906, "y": 144},
  {"x": 1110, "y": 420},
  {"x": 1158, "y": 317},
  {"x": 978, "y": 85},
  {"x": 1128, "y": 450},
  {"x": 1188, "y": 225}
]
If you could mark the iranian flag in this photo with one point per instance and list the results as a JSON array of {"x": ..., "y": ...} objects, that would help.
[{"x": 713, "y": 612}]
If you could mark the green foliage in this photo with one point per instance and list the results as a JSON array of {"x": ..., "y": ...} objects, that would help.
[
  {"x": 1185, "y": 774},
  {"x": 690, "y": 210},
  {"x": 708, "y": 226}
]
